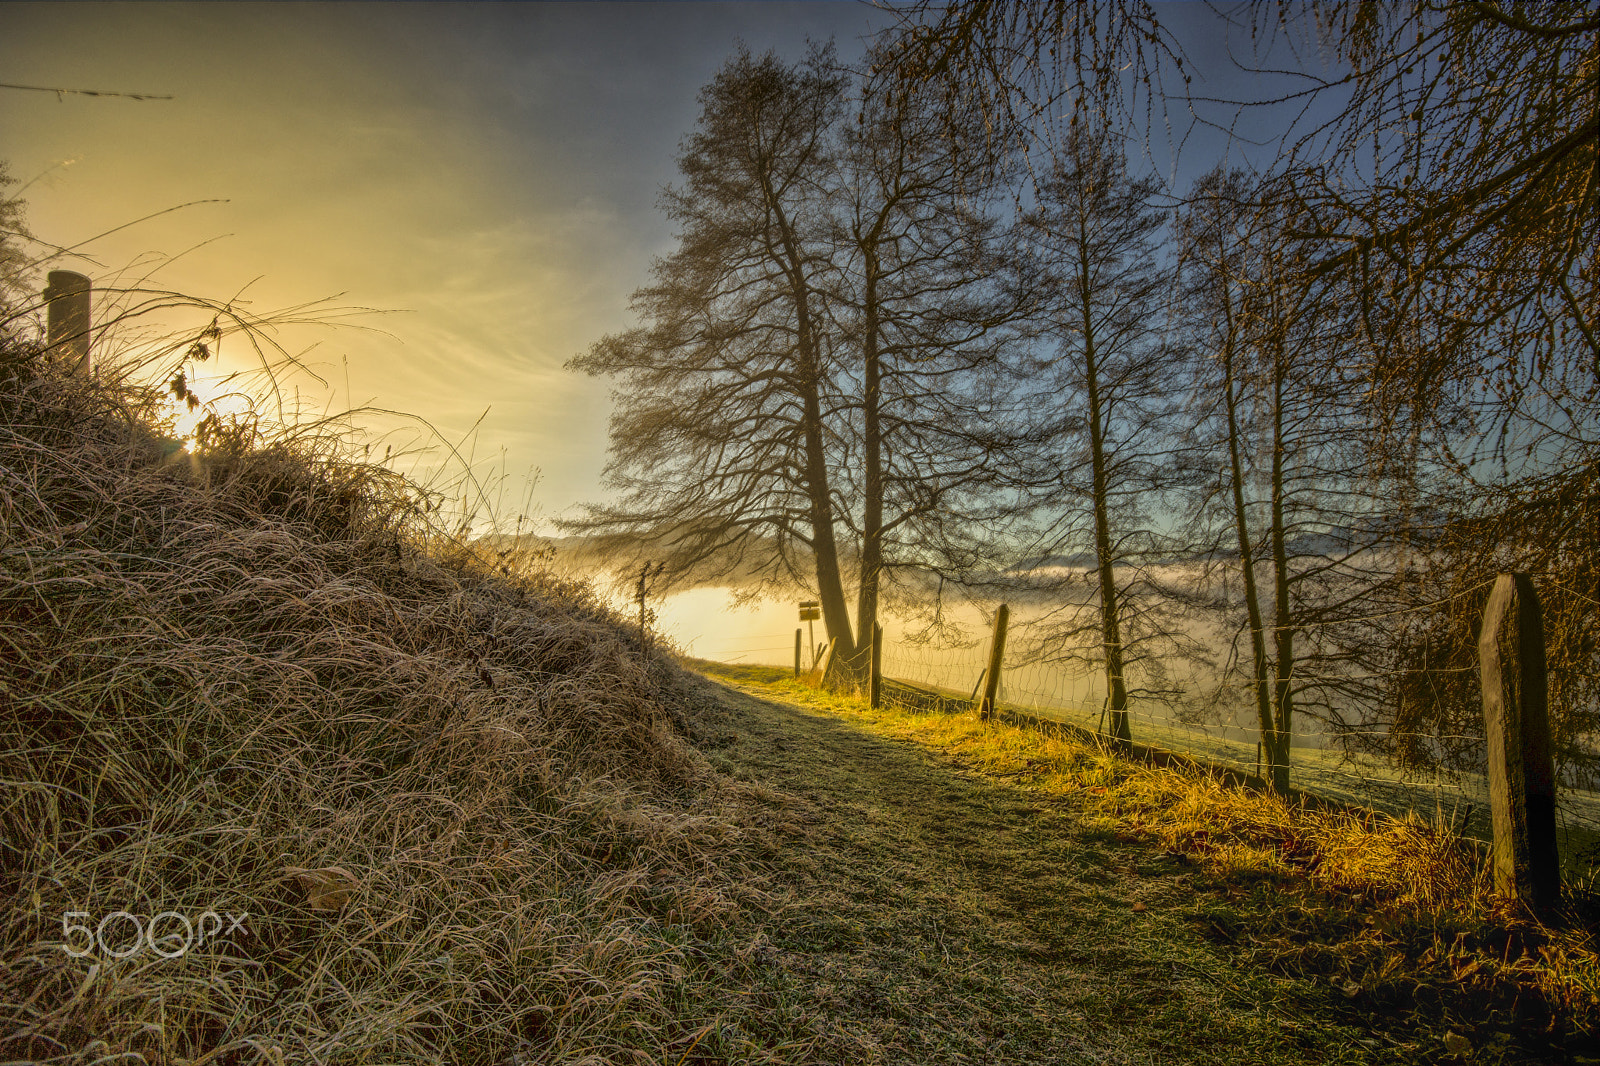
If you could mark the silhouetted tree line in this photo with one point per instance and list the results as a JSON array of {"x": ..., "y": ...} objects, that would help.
[{"x": 927, "y": 318}]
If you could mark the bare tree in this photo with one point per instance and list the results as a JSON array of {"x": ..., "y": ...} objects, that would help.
[
  {"x": 816, "y": 378},
  {"x": 724, "y": 441},
  {"x": 1448, "y": 204},
  {"x": 1454, "y": 196},
  {"x": 1217, "y": 236},
  {"x": 1038, "y": 70},
  {"x": 1291, "y": 425},
  {"x": 1454, "y": 202},
  {"x": 1110, "y": 368},
  {"x": 932, "y": 306}
]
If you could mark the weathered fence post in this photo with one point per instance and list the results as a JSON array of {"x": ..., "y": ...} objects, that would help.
[
  {"x": 797, "y": 633},
  {"x": 875, "y": 685},
  {"x": 1522, "y": 795},
  {"x": 997, "y": 651},
  {"x": 66, "y": 300}
]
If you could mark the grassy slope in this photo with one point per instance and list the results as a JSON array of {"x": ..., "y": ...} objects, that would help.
[{"x": 216, "y": 681}]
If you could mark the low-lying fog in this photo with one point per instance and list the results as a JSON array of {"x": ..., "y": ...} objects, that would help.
[{"x": 714, "y": 623}]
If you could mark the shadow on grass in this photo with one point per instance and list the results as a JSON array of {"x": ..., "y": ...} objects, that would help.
[{"x": 1155, "y": 915}]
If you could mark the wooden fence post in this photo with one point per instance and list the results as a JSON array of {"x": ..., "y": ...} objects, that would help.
[
  {"x": 797, "y": 633},
  {"x": 997, "y": 651},
  {"x": 875, "y": 685},
  {"x": 1522, "y": 797},
  {"x": 67, "y": 298},
  {"x": 826, "y": 659}
]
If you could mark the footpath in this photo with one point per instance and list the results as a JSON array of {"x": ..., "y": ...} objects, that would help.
[{"x": 935, "y": 913}]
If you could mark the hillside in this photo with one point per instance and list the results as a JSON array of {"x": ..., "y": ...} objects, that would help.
[{"x": 290, "y": 775}]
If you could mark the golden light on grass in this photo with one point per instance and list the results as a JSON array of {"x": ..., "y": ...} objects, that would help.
[
  {"x": 195, "y": 393},
  {"x": 1397, "y": 913}
]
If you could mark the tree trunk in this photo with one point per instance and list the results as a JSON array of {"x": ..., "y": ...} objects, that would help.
[
  {"x": 872, "y": 457},
  {"x": 1252, "y": 597},
  {"x": 1283, "y": 630},
  {"x": 824, "y": 547},
  {"x": 1110, "y": 627}
]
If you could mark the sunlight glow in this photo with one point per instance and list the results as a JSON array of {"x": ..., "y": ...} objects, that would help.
[{"x": 194, "y": 392}]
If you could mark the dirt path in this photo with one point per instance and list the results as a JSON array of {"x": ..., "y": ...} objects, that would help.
[{"x": 937, "y": 914}]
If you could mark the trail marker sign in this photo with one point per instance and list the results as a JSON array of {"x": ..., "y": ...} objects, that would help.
[{"x": 810, "y": 611}]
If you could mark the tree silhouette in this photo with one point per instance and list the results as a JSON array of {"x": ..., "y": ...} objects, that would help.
[
  {"x": 1109, "y": 368},
  {"x": 726, "y": 430},
  {"x": 930, "y": 306},
  {"x": 815, "y": 378}
]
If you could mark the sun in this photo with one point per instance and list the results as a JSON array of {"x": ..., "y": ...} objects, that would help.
[{"x": 194, "y": 393}]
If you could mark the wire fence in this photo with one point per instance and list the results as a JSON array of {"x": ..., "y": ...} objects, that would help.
[{"x": 1329, "y": 764}]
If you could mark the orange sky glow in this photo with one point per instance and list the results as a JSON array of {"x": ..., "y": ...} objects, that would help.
[{"x": 483, "y": 175}]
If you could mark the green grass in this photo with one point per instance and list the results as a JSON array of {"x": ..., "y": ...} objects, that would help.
[
  {"x": 1362, "y": 934},
  {"x": 1357, "y": 780},
  {"x": 934, "y": 915}
]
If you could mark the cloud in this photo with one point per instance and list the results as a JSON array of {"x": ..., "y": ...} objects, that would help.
[{"x": 488, "y": 172}]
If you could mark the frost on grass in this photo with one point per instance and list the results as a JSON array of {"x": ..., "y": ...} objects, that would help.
[{"x": 459, "y": 818}]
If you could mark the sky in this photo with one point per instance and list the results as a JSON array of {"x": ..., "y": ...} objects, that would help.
[{"x": 483, "y": 176}]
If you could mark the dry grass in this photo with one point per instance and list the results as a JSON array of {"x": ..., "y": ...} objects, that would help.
[
  {"x": 1396, "y": 917},
  {"x": 219, "y": 678}
]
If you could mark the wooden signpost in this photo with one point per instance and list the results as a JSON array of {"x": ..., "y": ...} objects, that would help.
[{"x": 810, "y": 611}]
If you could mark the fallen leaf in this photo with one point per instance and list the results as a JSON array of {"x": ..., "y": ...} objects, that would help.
[
  {"x": 328, "y": 888},
  {"x": 1139, "y": 908}
]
